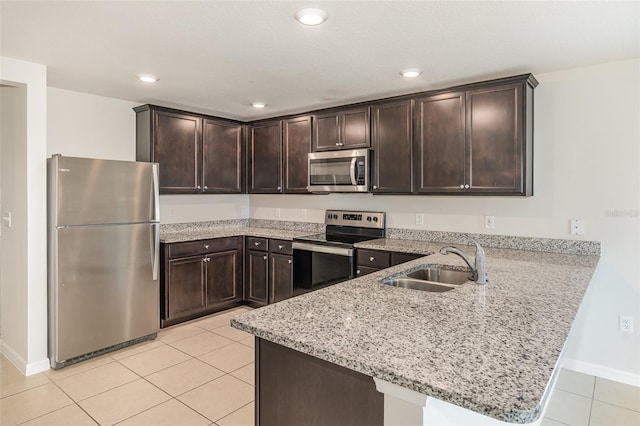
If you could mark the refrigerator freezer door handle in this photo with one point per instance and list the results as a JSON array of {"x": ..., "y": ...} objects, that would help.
[
  {"x": 155, "y": 249},
  {"x": 156, "y": 194}
]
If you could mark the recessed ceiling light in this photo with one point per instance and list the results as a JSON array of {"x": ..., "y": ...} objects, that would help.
[
  {"x": 258, "y": 104},
  {"x": 411, "y": 73},
  {"x": 148, "y": 78},
  {"x": 311, "y": 16}
]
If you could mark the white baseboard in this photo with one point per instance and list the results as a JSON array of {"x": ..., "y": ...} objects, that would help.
[
  {"x": 21, "y": 364},
  {"x": 602, "y": 371}
]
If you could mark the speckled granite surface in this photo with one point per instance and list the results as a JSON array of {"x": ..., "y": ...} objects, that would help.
[
  {"x": 551, "y": 245},
  {"x": 178, "y": 232},
  {"x": 491, "y": 349}
]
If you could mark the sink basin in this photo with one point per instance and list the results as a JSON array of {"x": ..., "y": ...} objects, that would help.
[
  {"x": 432, "y": 279},
  {"x": 440, "y": 275},
  {"x": 414, "y": 284}
]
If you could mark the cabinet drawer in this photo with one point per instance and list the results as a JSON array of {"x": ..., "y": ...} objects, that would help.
[
  {"x": 192, "y": 248},
  {"x": 260, "y": 244},
  {"x": 373, "y": 259},
  {"x": 280, "y": 246},
  {"x": 364, "y": 270},
  {"x": 398, "y": 258}
]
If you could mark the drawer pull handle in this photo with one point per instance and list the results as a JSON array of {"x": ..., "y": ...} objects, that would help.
[
  {"x": 257, "y": 243},
  {"x": 280, "y": 246},
  {"x": 358, "y": 272},
  {"x": 371, "y": 259},
  {"x": 206, "y": 246},
  {"x": 289, "y": 261},
  {"x": 264, "y": 257}
]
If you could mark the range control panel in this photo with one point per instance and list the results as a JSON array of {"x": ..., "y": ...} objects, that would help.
[{"x": 355, "y": 218}]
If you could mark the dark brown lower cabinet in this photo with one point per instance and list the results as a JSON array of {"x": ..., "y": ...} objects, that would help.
[
  {"x": 200, "y": 278},
  {"x": 268, "y": 271},
  {"x": 293, "y": 388},
  {"x": 369, "y": 261},
  {"x": 256, "y": 278}
]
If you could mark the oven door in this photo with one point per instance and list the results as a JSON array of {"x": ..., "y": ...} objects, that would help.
[{"x": 316, "y": 265}]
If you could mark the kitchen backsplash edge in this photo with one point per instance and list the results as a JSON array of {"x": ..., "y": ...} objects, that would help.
[{"x": 549, "y": 245}]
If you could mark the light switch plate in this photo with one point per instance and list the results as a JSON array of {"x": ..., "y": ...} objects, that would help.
[{"x": 6, "y": 219}]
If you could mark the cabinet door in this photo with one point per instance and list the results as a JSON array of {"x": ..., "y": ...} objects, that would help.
[
  {"x": 296, "y": 140},
  {"x": 392, "y": 140},
  {"x": 495, "y": 139},
  {"x": 326, "y": 132},
  {"x": 256, "y": 277},
  {"x": 439, "y": 144},
  {"x": 177, "y": 144},
  {"x": 265, "y": 159},
  {"x": 224, "y": 277},
  {"x": 185, "y": 292},
  {"x": 354, "y": 128},
  {"x": 280, "y": 277},
  {"x": 222, "y": 157}
]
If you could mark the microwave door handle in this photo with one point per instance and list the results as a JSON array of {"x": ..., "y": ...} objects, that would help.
[{"x": 353, "y": 170}]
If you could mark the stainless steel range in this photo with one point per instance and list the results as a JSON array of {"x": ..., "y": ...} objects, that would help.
[{"x": 324, "y": 259}]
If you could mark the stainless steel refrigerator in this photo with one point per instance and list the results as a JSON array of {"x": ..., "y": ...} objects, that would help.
[{"x": 104, "y": 237}]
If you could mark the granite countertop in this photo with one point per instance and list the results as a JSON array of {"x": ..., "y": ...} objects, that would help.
[
  {"x": 191, "y": 234},
  {"x": 491, "y": 349}
]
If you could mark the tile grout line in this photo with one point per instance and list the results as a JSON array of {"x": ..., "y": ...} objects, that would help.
[{"x": 234, "y": 411}]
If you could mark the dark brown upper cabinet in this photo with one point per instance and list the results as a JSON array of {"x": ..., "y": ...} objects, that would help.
[
  {"x": 296, "y": 141},
  {"x": 476, "y": 141},
  {"x": 392, "y": 139},
  {"x": 265, "y": 158},
  {"x": 222, "y": 157},
  {"x": 342, "y": 129},
  {"x": 195, "y": 153}
]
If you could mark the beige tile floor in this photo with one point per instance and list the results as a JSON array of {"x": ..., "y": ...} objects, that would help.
[{"x": 202, "y": 373}]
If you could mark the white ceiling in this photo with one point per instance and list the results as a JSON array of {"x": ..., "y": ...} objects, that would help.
[{"x": 218, "y": 56}]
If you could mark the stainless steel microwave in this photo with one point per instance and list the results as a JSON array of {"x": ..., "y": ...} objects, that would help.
[{"x": 339, "y": 171}]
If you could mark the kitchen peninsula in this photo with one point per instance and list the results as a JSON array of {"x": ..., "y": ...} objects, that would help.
[{"x": 476, "y": 354}]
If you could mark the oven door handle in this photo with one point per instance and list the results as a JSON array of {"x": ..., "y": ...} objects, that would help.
[{"x": 340, "y": 251}]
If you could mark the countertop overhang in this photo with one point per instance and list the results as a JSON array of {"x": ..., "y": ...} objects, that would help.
[{"x": 491, "y": 349}]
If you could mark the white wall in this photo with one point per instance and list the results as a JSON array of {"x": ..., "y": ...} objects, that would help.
[
  {"x": 84, "y": 125},
  {"x": 587, "y": 162},
  {"x": 24, "y": 272}
]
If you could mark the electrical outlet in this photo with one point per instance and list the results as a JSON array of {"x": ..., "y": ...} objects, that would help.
[
  {"x": 626, "y": 323},
  {"x": 419, "y": 218},
  {"x": 577, "y": 227},
  {"x": 489, "y": 222}
]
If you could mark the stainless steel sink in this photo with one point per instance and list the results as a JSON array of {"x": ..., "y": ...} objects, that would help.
[
  {"x": 432, "y": 279},
  {"x": 440, "y": 275},
  {"x": 414, "y": 284}
]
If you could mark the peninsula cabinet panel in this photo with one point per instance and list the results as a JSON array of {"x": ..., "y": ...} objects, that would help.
[
  {"x": 392, "y": 140},
  {"x": 494, "y": 134},
  {"x": 222, "y": 157},
  {"x": 176, "y": 148},
  {"x": 343, "y": 129},
  {"x": 296, "y": 141},
  {"x": 265, "y": 158},
  {"x": 440, "y": 143}
]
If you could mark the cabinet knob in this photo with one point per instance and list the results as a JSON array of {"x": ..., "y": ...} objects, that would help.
[
  {"x": 264, "y": 257},
  {"x": 257, "y": 243},
  {"x": 280, "y": 246},
  {"x": 466, "y": 186},
  {"x": 206, "y": 259},
  {"x": 289, "y": 261},
  {"x": 357, "y": 271},
  {"x": 371, "y": 259},
  {"x": 199, "y": 187},
  {"x": 337, "y": 143},
  {"x": 279, "y": 188},
  {"x": 461, "y": 186},
  {"x": 206, "y": 246},
  {"x": 375, "y": 186},
  {"x": 206, "y": 187}
]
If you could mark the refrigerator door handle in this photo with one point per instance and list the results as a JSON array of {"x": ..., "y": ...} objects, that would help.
[
  {"x": 156, "y": 193},
  {"x": 155, "y": 250}
]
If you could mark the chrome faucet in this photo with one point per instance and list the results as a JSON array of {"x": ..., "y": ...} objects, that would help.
[{"x": 479, "y": 268}]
